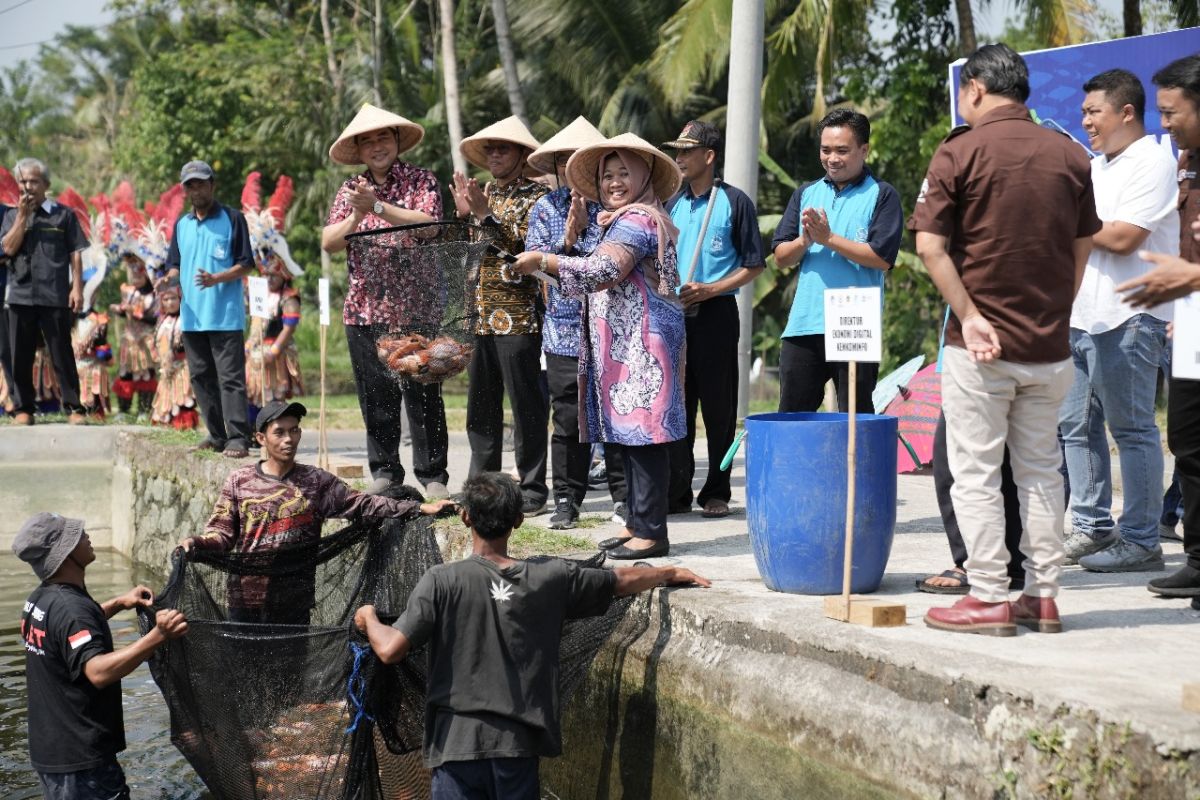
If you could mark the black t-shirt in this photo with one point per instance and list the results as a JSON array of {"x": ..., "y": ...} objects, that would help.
[
  {"x": 493, "y": 639},
  {"x": 40, "y": 272},
  {"x": 72, "y": 725}
]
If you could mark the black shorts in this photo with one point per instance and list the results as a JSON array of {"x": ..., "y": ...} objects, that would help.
[
  {"x": 105, "y": 782},
  {"x": 487, "y": 779}
]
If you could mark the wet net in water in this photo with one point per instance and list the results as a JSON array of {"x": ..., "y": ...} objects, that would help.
[
  {"x": 293, "y": 704},
  {"x": 428, "y": 275}
]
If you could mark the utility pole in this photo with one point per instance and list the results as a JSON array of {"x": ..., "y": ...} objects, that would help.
[{"x": 742, "y": 125}]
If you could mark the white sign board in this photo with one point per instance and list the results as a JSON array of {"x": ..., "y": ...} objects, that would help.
[
  {"x": 323, "y": 297},
  {"x": 1185, "y": 346},
  {"x": 260, "y": 291},
  {"x": 854, "y": 324}
]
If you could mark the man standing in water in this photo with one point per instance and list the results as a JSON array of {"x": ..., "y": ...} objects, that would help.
[
  {"x": 278, "y": 502},
  {"x": 72, "y": 674}
]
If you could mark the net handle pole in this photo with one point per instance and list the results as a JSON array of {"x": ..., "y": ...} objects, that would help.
[{"x": 322, "y": 442}]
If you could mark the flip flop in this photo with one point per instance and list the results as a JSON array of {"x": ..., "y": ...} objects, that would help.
[
  {"x": 715, "y": 509},
  {"x": 961, "y": 587}
]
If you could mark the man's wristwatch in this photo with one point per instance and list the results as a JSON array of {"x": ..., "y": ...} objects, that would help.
[{"x": 378, "y": 207}]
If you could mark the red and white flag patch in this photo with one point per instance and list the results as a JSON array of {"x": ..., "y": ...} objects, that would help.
[{"x": 79, "y": 639}]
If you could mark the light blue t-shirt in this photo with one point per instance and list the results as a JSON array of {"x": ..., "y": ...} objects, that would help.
[
  {"x": 867, "y": 211},
  {"x": 732, "y": 240},
  {"x": 216, "y": 243}
]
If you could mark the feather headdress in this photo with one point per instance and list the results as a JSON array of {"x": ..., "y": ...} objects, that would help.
[{"x": 266, "y": 225}]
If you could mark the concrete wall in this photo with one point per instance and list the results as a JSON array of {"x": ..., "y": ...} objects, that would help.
[{"x": 160, "y": 495}]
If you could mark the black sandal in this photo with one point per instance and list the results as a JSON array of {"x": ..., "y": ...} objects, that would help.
[{"x": 961, "y": 587}]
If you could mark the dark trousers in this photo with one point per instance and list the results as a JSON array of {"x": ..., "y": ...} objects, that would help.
[
  {"x": 710, "y": 384},
  {"x": 803, "y": 373},
  {"x": 1183, "y": 437},
  {"x": 943, "y": 480},
  {"x": 217, "y": 363},
  {"x": 509, "y": 365},
  {"x": 487, "y": 779},
  {"x": 647, "y": 470},
  {"x": 24, "y": 323},
  {"x": 570, "y": 459},
  {"x": 6, "y": 365},
  {"x": 105, "y": 782},
  {"x": 379, "y": 399}
]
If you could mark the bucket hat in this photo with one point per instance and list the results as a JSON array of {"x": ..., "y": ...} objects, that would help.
[
  {"x": 372, "y": 118},
  {"x": 506, "y": 130},
  {"x": 579, "y": 133},
  {"x": 45, "y": 541},
  {"x": 664, "y": 173}
]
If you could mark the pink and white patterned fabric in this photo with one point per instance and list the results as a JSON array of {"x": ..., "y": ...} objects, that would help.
[
  {"x": 376, "y": 294},
  {"x": 631, "y": 363}
]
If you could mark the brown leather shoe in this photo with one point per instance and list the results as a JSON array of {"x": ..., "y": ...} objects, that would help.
[
  {"x": 1038, "y": 613},
  {"x": 970, "y": 615},
  {"x": 21, "y": 418}
]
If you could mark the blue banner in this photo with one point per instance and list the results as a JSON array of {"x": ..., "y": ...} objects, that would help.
[{"x": 1056, "y": 76}]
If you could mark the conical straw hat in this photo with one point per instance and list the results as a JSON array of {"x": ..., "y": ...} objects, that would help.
[
  {"x": 584, "y": 166},
  {"x": 579, "y": 133},
  {"x": 372, "y": 118},
  {"x": 506, "y": 130}
]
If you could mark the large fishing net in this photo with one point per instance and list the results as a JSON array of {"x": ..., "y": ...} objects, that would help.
[
  {"x": 295, "y": 706},
  {"x": 431, "y": 273}
]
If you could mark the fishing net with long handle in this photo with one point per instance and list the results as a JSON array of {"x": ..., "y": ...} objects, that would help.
[
  {"x": 295, "y": 705},
  {"x": 431, "y": 271}
]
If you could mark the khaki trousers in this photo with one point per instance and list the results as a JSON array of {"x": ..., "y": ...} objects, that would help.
[{"x": 988, "y": 406}]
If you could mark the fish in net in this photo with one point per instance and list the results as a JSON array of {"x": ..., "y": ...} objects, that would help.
[
  {"x": 430, "y": 272},
  {"x": 294, "y": 705}
]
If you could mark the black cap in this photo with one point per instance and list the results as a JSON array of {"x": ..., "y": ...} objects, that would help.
[
  {"x": 195, "y": 170},
  {"x": 276, "y": 409},
  {"x": 697, "y": 133}
]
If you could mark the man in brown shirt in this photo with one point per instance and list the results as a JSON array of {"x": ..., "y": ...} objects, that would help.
[
  {"x": 1179, "y": 104},
  {"x": 508, "y": 338},
  {"x": 1004, "y": 224}
]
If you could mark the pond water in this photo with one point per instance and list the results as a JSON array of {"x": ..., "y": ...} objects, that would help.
[{"x": 153, "y": 767}]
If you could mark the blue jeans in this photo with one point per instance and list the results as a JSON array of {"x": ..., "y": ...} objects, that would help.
[
  {"x": 105, "y": 782},
  {"x": 1116, "y": 374}
]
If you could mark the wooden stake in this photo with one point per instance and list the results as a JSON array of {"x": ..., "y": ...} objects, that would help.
[
  {"x": 851, "y": 454},
  {"x": 872, "y": 613},
  {"x": 322, "y": 442}
]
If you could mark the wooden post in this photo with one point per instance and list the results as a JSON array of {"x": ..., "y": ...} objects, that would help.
[
  {"x": 851, "y": 448},
  {"x": 322, "y": 442},
  {"x": 864, "y": 611}
]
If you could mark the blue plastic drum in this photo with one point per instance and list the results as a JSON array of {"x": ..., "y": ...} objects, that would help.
[{"x": 796, "y": 499}]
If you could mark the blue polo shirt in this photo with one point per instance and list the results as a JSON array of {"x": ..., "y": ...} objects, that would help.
[
  {"x": 732, "y": 240},
  {"x": 214, "y": 244},
  {"x": 865, "y": 211}
]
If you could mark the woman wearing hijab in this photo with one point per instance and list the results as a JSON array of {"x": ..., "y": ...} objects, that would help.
[{"x": 631, "y": 361}]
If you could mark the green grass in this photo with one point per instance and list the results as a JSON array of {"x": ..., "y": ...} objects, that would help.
[{"x": 530, "y": 540}]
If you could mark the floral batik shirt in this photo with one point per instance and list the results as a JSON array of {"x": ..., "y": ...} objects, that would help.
[
  {"x": 631, "y": 367},
  {"x": 547, "y": 234},
  {"x": 505, "y": 300},
  {"x": 379, "y": 293}
]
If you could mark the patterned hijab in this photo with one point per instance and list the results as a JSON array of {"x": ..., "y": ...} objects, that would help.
[{"x": 644, "y": 197}]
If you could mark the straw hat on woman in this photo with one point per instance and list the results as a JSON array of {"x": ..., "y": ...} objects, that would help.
[{"x": 631, "y": 363}]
